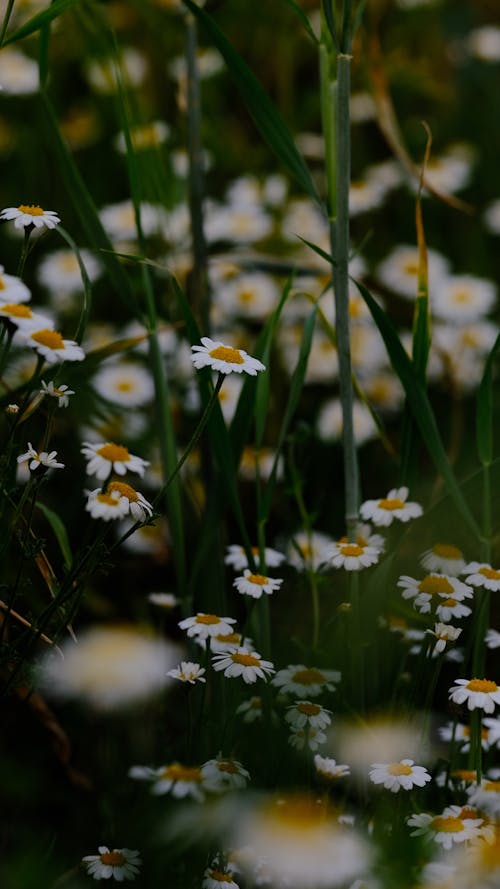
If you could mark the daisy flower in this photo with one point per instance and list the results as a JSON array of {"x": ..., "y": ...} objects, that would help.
[
  {"x": 218, "y": 878},
  {"x": 460, "y": 734},
  {"x": 304, "y": 714},
  {"x": 308, "y": 550},
  {"x": 432, "y": 589},
  {"x": 251, "y": 709},
  {"x": 447, "y": 828},
  {"x": 353, "y": 556},
  {"x": 62, "y": 393},
  {"x": 443, "y": 633},
  {"x": 120, "y": 864},
  {"x": 110, "y": 457},
  {"x": 30, "y": 215},
  {"x": 300, "y": 680},
  {"x": 60, "y": 271},
  {"x": 227, "y": 641},
  {"x": 480, "y": 694},
  {"x": 187, "y": 671},
  {"x": 451, "y": 609},
  {"x": 399, "y": 271},
  {"x": 12, "y": 289},
  {"x": 481, "y": 574},
  {"x": 203, "y": 626},
  {"x": 24, "y": 318},
  {"x": 105, "y": 505},
  {"x": 256, "y": 584},
  {"x": 306, "y": 737},
  {"x": 224, "y": 359},
  {"x": 329, "y": 423},
  {"x": 394, "y": 506},
  {"x": 396, "y": 776},
  {"x": 242, "y": 662},
  {"x": 237, "y": 559},
  {"x": 40, "y": 459},
  {"x": 124, "y": 383},
  {"x": 50, "y": 345},
  {"x": 139, "y": 508},
  {"x": 19, "y": 75},
  {"x": 463, "y": 298},
  {"x": 443, "y": 558},
  {"x": 486, "y": 795},
  {"x": 328, "y": 769},
  {"x": 492, "y": 638},
  {"x": 163, "y": 600},
  {"x": 176, "y": 779},
  {"x": 220, "y": 775}
]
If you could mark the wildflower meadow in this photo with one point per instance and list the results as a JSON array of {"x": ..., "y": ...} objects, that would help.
[{"x": 249, "y": 425}]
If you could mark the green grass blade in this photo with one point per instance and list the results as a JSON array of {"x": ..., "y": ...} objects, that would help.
[
  {"x": 484, "y": 409},
  {"x": 265, "y": 115},
  {"x": 87, "y": 287},
  {"x": 40, "y": 20},
  {"x": 60, "y": 532},
  {"x": 419, "y": 403},
  {"x": 303, "y": 19},
  {"x": 264, "y": 380}
]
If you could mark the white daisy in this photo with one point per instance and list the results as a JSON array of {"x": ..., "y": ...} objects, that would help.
[
  {"x": 255, "y": 585},
  {"x": 40, "y": 459},
  {"x": 107, "y": 506},
  {"x": 443, "y": 633},
  {"x": 252, "y": 295},
  {"x": 237, "y": 558},
  {"x": 305, "y": 681},
  {"x": 480, "y": 694},
  {"x": 433, "y": 589},
  {"x": 19, "y": 75},
  {"x": 312, "y": 738},
  {"x": 353, "y": 556},
  {"x": 24, "y": 318},
  {"x": 30, "y": 215},
  {"x": 163, "y": 600},
  {"x": 238, "y": 222},
  {"x": 492, "y": 638},
  {"x": 220, "y": 775},
  {"x": 228, "y": 641},
  {"x": 51, "y": 345},
  {"x": 187, "y": 671},
  {"x": 329, "y": 770},
  {"x": 480, "y": 574},
  {"x": 460, "y": 299},
  {"x": 329, "y": 424},
  {"x": 139, "y": 508},
  {"x": 486, "y": 795},
  {"x": 309, "y": 550},
  {"x": 108, "y": 457},
  {"x": 251, "y": 709},
  {"x": 218, "y": 878},
  {"x": 60, "y": 270},
  {"x": 12, "y": 289},
  {"x": 61, "y": 393},
  {"x": 304, "y": 714},
  {"x": 118, "y": 864},
  {"x": 445, "y": 558},
  {"x": 484, "y": 43},
  {"x": 451, "y": 609},
  {"x": 399, "y": 271},
  {"x": 394, "y": 506},
  {"x": 242, "y": 662},
  {"x": 203, "y": 626},
  {"x": 396, "y": 776},
  {"x": 179, "y": 780},
  {"x": 224, "y": 359},
  {"x": 446, "y": 829},
  {"x": 120, "y": 223},
  {"x": 460, "y": 734},
  {"x": 124, "y": 383}
]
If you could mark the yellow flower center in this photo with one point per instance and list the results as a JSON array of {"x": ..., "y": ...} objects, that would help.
[
  {"x": 178, "y": 772},
  {"x": 448, "y": 824},
  {"x": 50, "y": 338},
  {"x": 468, "y": 812},
  {"x": 448, "y": 603},
  {"x": 351, "y": 549},
  {"x": 492, "y": 786},
  {"x": 16, "y": 310},
  {"x": 490, "y": 573},
  {"x": 246, "y": 296},
  {"x": 207, "y": 619},
  {"x": 225, "y": 353},
  {"x": 125, "y": 386},
  {"x": 124, "y": 491},
  {"x": 221, "y": 876},
  {"x": 360, "y": 540},
  {"x": 462, "y": 296},
  {"x": 435, "y": 585},
  {"x": 2, "y": 283},
  {"x": 308, "y": 677},
  {"x": 258, "y": 579},
  {"x": 410, "y": 268},
  {"x": 107, "y": 499},
  {"x": 446, "y": 551},
  {"x": 392, "y": 504},
  {"x": 464, "y": 775},
  {"x": 246, "y": 660},
  {"x": 32, "y": 209},
  {"x": 482, "y": 685},
  {"x": 296, "y": 813},
  {"x": 227, "y": 766},
  {"x": 399, "y": 768},
  {"x": 490, "y": 854},
  {"x": 229, "y": 638},
  {"x": 308, "y": 709},
  {"x": 113, "y": 452},
  {"x": 113, "y": 859}
]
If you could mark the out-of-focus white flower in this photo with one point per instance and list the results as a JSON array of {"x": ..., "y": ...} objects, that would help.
[
  {"x": 118, "y": 864},
  {"x": 308, "y": 551},
  {"x": 484, "y": 43},
  {"x": 163, "y": 600},
  {"x": 445, "y": 558},
  {"x": 119, "y": 220},
  {"x": 239, "y": 223},
  {"x": 144, "y": 137},
  {"x": 218, "y": 877},
  {"x": 19, "y": 75},
  {"x": 386, "y": 739},
  {"x": 252, "y": 296},
  {"x": 176, "y": 779},
  {"x": 306, "y": 714},
  {"x": 221, "y": 775},
  {"x": 237, "y": 558},
  {"x": 329, "y": 770},
  {"x": 312, "y": 738},
  {"x": 460, "y": 299},
  {"x": 124, "y": 383},
  {"x": 110, "y": 667},
  {"x": 251, "y": 709},
  {"x": 492, "y": 638},
  {"x": 329, "y": 424},
  {"x": 12, "y": 289},
  {"x": 305, "y": 681},
  {"x": 101, "y": 73},
  {"x": 60, "y": 270},
  {"x": 399, "y": 271}
]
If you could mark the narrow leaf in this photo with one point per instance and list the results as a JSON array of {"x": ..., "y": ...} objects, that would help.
[
  {"x": 484, "y": 409},
  {"x": 265, "y": 115},
  {"x": 303, "y": 19},
  {"x": 39, "y": 20},
  {"x": 59, "y": 531}
]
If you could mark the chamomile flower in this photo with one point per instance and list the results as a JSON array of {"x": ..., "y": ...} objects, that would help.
[
  {"x": 444, "y": 558},
  {"x": 242, "y": 662},
  {"x": 23, "y": 318},
  {"x": 224, "y": 359},
  {"x": 50, "y": 345},
  {"x": 399, "y": 271},
  {"x": 107, "y": 457},
  {"x": 12, "y": 289},
  {"x": 164, "y": 600},
  {"x": 329, "y": 770},
  {"x": 492, "y": 638},
  {"x": 305, "y": 681},
  {"x": 19, "y": 75},
  {"x": 330, "y": 423},
  {"x": 451, "y": 609},
  {"x": 353, "y": 556},
  {"x": 60, "y": 271},
  {"x": 460, "y": 299},
  {"x": 187, "y": 671},
  {"x": 119, "y": 864},
  {"x": 237, "y": 558},
  {"x": 120, "y": 222},
  {"x": 484, "y": 43},
  {"x": 482, "y": 694},
  {"x": 309, "y": 550},
  {"x": 125, "y": 383},
  {"x": 48, "y": 460},
  {"x": 203, "y": 626},
  {"x": 255, "y": 585},
  {"x": 312, "y": 738},
  {"x": 443, "y": 633},
  {"x": 252, "y": 296},
  {"x": 480, "y": 574},
  {"x": 251, "y": 709},
  {"x": 446, "y": 829},
  {"x": 305, "y": 714},
  {"x": 396, "y": 776},
  {"x": 30, "y": 215},
  {"x": 139, "y": 508},
  {"x": 227, "y": 641},
  {"x": 486, "y": 795},
  {"x": 106, "y": 505},
  {"x": 61, "y": 393},
  {"x": 434, "y": 590},
  {"x": 218, "y": 877},
  {"x": 179, "y": 780},
  {"x": 459, "y": 734},
  {"x": 221, "y": 775},
  {"x": 395, "y": 506}
]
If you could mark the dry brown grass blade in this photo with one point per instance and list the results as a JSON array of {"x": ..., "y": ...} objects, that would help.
[
  {"x": 11, "y": 613},
  {"x": 389, "y": 127}
]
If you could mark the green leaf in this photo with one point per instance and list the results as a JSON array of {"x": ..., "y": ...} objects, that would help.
[
  {"x": 40, "y": 20},
  {"x": 299, "y": 12},
  {"x": 59, "y": 530},
  {"x": 418, "y": 402},
  {"x": 264, "y": 113},
  {"x": 484, "y": 409},
  {"x": 87, "y": 289}
]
